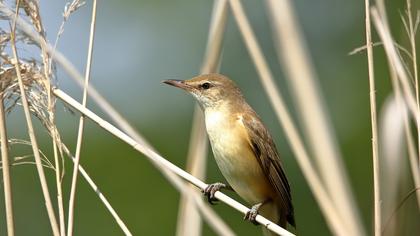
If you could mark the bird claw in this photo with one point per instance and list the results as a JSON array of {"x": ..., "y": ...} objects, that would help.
[
  {"x": 251, "y": 215},
  {"x": 211, "y": 190}
]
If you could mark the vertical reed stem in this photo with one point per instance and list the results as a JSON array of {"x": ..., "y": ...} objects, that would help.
[
  {"x": 374, "y": 124},
  {"x": 81, "y": 125},
  {"x": 8, "y": 200}
]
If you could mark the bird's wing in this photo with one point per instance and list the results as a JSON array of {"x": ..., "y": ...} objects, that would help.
[{"x": 265, "y": 150}]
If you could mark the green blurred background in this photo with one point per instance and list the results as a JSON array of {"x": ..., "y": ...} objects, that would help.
[{"x": 141, "y": 42}]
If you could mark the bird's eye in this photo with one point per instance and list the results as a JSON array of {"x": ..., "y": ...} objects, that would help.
[{"x": 205, "y": 85}]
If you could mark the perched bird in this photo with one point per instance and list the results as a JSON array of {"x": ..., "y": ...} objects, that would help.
[{"x": 243, "y": 148}]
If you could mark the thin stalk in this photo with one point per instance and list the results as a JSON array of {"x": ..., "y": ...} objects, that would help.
[
  {"x": 99, "y": 193},
  {"x": 37, "y": 23},
  {"x": 395, "y": 60},
  {"x": 197, "y": 153},
  {"x": 413, "y": 50},
  {"x": 54, "y": 135},
  {"x": 401, "y": 76},
  {"x": 168, "y": 166},
  {"x": 8, "y": 200},
  {"x": 81, "y": 125},
  {"x": 398, "y": 207},
  {"x": 412, "y": 38},
  {"x": 334, "y": 220},
  {"x": 412, "y": 154},
  {"x": 375, "y": 158},
  {"x": 58, "y": 179},
  {"x": 38, "y": 163}
]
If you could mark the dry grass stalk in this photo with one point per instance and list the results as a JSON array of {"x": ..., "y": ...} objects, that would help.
[
  {"x": 8, "y": 200},
  {"x": 159, "y": 160},
  {"x": 44, "y": 186},
  {"x": 291, "y": 48},
  {"x": 21, "y": 160},
  {"x": 334, "y": 220},
  {"x": 68, "y": 10},
  {"x": 98, "y": 192},
  {"x": 411, "y": 31},
  {"x": 31, "y": 9},
  {"x": 411, "y": 28},
  {"x": 189, "y": 222},
  {"x": 81, "y": 125},
  {"x": 375, "y": 150},
  {"x": 396, "y": 65}
]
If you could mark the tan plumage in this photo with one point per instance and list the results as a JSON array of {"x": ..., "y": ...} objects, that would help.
[
  {"x": 243, "y": 148},
  {"x": 266, "y": 153}
]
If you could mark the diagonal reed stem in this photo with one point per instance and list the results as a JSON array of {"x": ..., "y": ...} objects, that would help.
[
  {"x": 81, "y": 125},
  {"x": 99, "y": 193},
  {"x": 159, "y": 160},
  {"x": 8, "y": 200}
]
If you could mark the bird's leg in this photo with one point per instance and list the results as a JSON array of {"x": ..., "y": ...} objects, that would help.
[
  {"x": 211, "y": 189},
  {"x": 253, "y": 212}
]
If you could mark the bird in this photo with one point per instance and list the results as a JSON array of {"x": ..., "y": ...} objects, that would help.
[{"x": 243, "y": 148}]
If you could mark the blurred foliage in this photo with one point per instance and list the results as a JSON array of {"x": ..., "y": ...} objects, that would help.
[{"x": 140, "y": 43}]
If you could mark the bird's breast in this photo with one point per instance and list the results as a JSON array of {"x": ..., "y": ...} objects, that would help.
[{"x": 235, "y": 158}]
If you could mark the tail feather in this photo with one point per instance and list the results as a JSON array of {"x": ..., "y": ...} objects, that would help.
[{"x": 291, "y": 219}]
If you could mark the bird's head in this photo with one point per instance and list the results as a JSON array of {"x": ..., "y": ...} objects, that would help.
[{"x": 210, "y": 90}]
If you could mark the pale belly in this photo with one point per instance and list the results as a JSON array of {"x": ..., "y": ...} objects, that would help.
[{"x": 237, "y": 162}]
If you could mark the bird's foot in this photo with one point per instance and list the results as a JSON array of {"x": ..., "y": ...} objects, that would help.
[
  {"x": 211, "y": 189},
  {"x": 252, "y": 213}
]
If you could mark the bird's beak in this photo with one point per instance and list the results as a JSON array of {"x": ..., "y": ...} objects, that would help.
[{"x": 178, "y": 83}]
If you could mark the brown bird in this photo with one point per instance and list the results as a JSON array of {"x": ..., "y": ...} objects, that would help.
[{"x": 243, "y": 148}]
